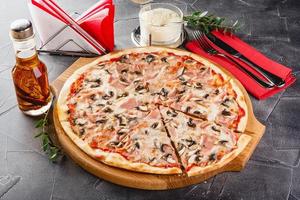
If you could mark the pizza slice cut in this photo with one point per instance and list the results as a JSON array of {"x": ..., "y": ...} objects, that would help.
[
  {"x": 145, "y": 147},
  {"x": 224, "y": 105},
  {"x": 201, "y": 145}
]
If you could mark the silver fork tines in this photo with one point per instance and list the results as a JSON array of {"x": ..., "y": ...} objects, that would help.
[{"x": 204, "y": 44}]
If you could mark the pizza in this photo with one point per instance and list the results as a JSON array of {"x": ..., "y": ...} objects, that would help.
[{"x": 155, "y": 110}]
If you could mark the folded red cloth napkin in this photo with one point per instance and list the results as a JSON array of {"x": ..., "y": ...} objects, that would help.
[
  {"x": 252, "y": 54},
  {"x": 98, "y": 21}
]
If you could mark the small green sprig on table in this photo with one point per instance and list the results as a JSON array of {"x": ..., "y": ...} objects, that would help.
[
  {"x": 208, "y": 22},
  {"x": 48, "y": 146}
]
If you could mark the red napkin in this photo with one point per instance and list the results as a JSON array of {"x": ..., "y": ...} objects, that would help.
[
  {"x": 98, "y": 22},
  {"x": 252, "y": 54}
]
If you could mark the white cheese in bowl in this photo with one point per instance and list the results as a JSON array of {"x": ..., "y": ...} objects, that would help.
[
  {"x": 164, "y": 25},
  {"x": 160, "y": 16}
]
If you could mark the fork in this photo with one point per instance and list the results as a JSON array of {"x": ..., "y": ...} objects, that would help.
[{"x": 204, "y": 44}]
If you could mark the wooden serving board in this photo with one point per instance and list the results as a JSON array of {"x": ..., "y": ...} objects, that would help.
[{"x": 143, "y": 180}]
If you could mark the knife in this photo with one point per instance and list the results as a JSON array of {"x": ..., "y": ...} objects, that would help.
[{"x": 279, "y": 82}]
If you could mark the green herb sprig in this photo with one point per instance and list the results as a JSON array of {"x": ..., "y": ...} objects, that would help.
[
  {"x": 48, "y": 146},
  {"x": 208, "y": 22}
]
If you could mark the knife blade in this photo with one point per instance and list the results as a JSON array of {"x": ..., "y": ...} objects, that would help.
[{"x": 279, "y": 82}]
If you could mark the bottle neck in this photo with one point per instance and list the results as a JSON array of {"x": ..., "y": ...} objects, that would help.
[{"x": 25, "y": 51}]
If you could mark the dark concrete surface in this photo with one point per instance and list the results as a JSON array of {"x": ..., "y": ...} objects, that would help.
[{"x": 273, "y": 172}]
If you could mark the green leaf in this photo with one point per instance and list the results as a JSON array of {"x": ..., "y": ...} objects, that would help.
[
  {"x": 203, "y": 14},
  {"x": 40, "y": 123},
  {"x": 39, "y": 134},
  {"x": 53, "y": 156},
  {"x": 47, "y": 145},
  {"x": 235, "y": 23},
  {"x": 208, "y": 22}
]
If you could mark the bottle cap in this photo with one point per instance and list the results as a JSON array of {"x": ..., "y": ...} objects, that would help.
[{"x": 21, "y": 29}]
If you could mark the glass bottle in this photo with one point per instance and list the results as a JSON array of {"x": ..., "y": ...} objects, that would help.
[{"x": 29, "y": 74}]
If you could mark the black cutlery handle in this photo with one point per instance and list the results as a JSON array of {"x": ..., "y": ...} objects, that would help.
[
  {"x": 257, "y": 79},
  {"x": 279, "y": 82}
]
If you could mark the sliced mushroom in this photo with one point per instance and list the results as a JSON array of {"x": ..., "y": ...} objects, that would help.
[
  {"x": 124, "y": 71},
  {"x": 223, "y": 141},
  {"x": 197, "y": 112},
  {"x": 106, "y": 97},
  {"x": 163, "y": 147},
  {"x": 124, "y": 58},
  {"x": 190, "y": 123},
  {"x": 164, "y": 92},
  {"x": 190, "y": 142},
  {"x": 131, "y": 119},
  {"x": 226, "y": 113},
  {"x": 138, "y": 72},
  {"x": 192, "y": 159},
  {"x": 152, "y": 159},
  {"x": 149, "y": 58},
  {"x": 180, "y": 148},
  {"x": 215, "y": 129},
  {"x": 100, "y": 65},
  {"x": 81, "y": 131},
  {"x": 187, "y": 109},
  {"x": 121, "y": 119},
  {"x": 226, "y": 102},
  {"x": 142, "y": 89},
  {"x": 120, "y": 145},
  {"x": 123, "y": 80},
  {"x": 154, "y": 125},
  {"x": 198, "y": 158},
  {"x": 164, "y": 59},
  {"x": 169, "y": 158},
  {"x": 198, "y": 85},
  {"x": 122, "y": 131},
  {"x": 114, "y": 143},
  {"x": 189, "y": 61},
  {"x": 101, "y": 120},
  {"x": 136, "y": 81},
  {"x": 212, "y": 157},
  {"x": 180, "y": 72},
  {"x": 95, "y": 83},
  {"x": 182, "y": 80},
  {"x": 107, "y": 110},
  {"x": 100, "y": 104},
  {"x": 142, "y": 108},
  {"x": 172, "y": 113},
  {"x": 125, "y": 94},
  {"x": 93, "y": 97},
  {"x": 107, "y": 71},
  {"x": 80, "y": 122},
  {"x": 137, "y": 145}
]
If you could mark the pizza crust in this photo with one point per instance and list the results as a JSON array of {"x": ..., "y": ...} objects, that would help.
[
  {"x": 241, "y": 145},
  {"x": 242, "y": 103}
]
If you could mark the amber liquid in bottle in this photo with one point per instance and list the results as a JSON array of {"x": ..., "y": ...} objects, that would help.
[
  {"x": 31, "y": 83},
  {"x": 31, "y": 80}
]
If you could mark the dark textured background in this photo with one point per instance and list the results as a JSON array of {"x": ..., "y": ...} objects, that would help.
[{"x": 272, "y": 26}]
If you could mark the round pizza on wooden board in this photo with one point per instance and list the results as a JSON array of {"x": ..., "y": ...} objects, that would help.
[{"x": 155, "y": 110}]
